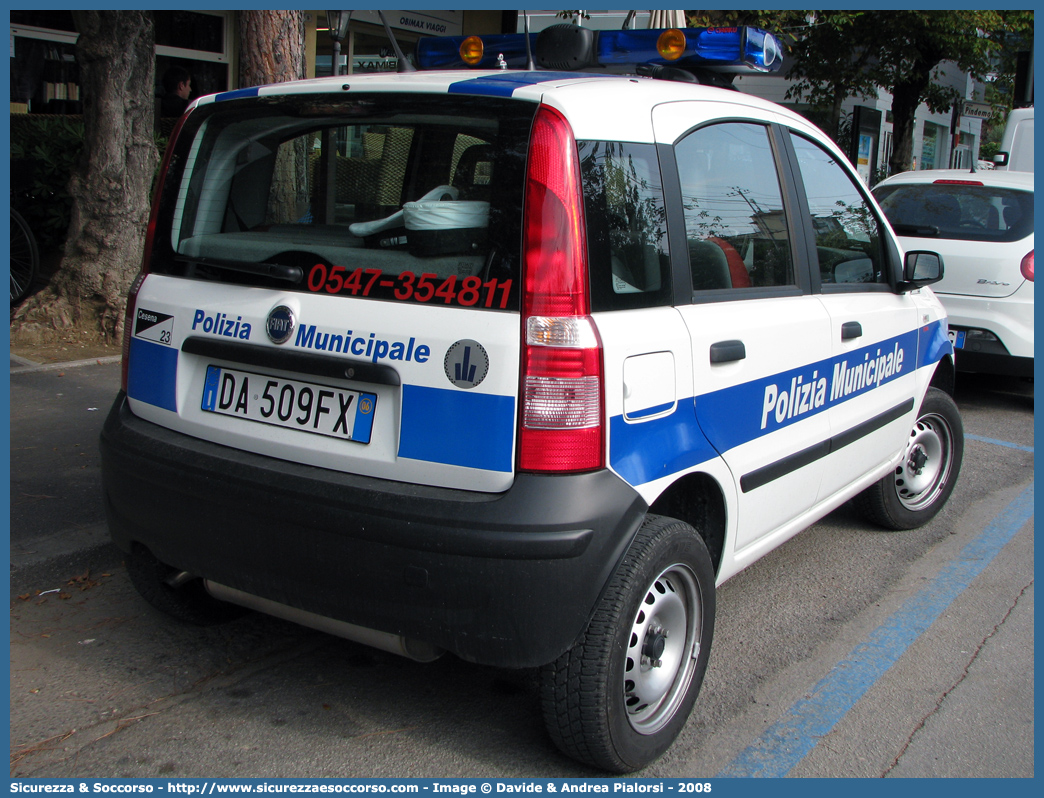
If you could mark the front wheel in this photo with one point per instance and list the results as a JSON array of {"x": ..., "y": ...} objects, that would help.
[
  {"x": 25, "y": 258},
  {"x": 919, "y": 486},
  {"x": 622, "y": 694}
]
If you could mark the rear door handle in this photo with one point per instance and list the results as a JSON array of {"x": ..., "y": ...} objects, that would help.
[
  {"x": 727, "y": 351},
  {"x": 850, "y": 330}
]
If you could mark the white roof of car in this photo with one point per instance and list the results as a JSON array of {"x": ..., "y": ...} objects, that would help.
[
  {"x": 1021, "y": 180},
  {"x": 597, "y": 104}
]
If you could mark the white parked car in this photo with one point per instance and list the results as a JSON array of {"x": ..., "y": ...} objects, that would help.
[
  {"x": 982, "y": 225},
  {"x": 519, "y": 364}
]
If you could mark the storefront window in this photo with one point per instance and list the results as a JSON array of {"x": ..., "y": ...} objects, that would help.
[
  {"x": 367, "y": 48},
  {"x": 931, "y": 147},
  {"x": 45, "y": 77},
  {"x": 374, "y": 53},
  {"x": 189, "y": 30}
]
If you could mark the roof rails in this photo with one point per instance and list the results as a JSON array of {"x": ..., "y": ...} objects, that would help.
[{"x": 704, "y": 55}]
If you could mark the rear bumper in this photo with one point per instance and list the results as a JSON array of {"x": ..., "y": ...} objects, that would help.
[
  {"x": 506, "y": 579},
  {"x": 987, "y": 361},
  {"x": 1010, "y": 318}
]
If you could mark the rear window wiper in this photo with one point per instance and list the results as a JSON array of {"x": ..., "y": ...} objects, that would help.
[
  {"x": 277, "y": 271},
  {"x": 916, "y": 230}
]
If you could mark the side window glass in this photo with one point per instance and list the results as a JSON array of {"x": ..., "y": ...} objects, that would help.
[
  {"x": 848, "y": 235},
  {"x": 734, "y": 220},
  {"x": 626, "y": 225}
]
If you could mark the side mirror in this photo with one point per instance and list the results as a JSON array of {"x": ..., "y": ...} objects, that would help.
[
  {"x": 1000, "y": 159},
  {"x": 921, "y": 268}
]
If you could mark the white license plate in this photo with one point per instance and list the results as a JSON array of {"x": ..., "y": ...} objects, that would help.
[
  {"x": 957, "y": 338},
  {"x": 321, "y": 409}
]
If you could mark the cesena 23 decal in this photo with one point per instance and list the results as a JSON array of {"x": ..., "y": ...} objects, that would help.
[{"x": 154, "y": 326}]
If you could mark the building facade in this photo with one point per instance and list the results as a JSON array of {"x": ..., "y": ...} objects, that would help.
[{"x": 45, "y": 76}]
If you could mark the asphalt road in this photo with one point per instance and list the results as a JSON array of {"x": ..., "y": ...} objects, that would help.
[{"x": 847, "y": 652}]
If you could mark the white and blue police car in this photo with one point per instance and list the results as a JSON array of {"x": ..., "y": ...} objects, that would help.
[{"x": 519, "y": 362}]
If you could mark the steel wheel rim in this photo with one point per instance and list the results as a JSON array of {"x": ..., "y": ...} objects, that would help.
[
  {"x": 653, "y": 692},
  {"x": 925, "y": 469},
  {"x": 22, "y": 258}
]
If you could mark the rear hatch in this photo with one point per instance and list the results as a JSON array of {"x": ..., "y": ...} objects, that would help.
[
  {"x": 334, "y": 280},
  {"x": 980, "y": 230}
]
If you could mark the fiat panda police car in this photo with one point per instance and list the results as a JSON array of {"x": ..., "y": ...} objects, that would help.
[{"x": 519, "y": 363}]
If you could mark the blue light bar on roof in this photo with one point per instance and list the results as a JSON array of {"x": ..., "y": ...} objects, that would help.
[
  {"x": 443, "y": 52},
  {"x": 720, "y": 49},
  {"x": 727, "y": 49}
]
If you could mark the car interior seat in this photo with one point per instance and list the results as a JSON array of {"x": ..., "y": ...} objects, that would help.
[
  {"x": 710, "y": 268},
  {"x": 473, "y": 175}
]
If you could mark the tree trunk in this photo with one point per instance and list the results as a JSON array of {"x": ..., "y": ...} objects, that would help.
[
  {"x": 905, "y": 99},
  {"x": 840, "y": 95},
  {"x": 271, "y": 47},
  {"x": 111, "y": 186},
  {"x": 272, "y": 51}
]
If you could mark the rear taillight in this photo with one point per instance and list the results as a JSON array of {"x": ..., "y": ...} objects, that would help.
[
  {"x": 128, "y": 327},
  {"x": 562, "y": 386},
  {"x": 1027, "y": 266},
  {"x": 146, "y": 254}
]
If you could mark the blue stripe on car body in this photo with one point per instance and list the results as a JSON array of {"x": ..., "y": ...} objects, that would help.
[
  {"x": 462, "y": 428},
  {"x": 154, "y": 378},
  {"x": 237, "y": 94},
  {"x": 507, "y": 84},
  {"x": 642, "y": 452}
]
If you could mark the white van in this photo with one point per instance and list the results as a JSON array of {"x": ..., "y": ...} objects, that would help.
[{"x": 1016, "y": 153}]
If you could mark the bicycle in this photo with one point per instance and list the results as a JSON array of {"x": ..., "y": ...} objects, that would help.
[
  {"x": 25, "y": 258},
  {"x": 25, "y": 254}
]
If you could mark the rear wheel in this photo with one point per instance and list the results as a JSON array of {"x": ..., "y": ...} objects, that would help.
[
  {"x": 919, "y": 486},
  {"x": 620, "y": 697},
  {"x": 25, "y": 258},
  {"x": 170, "y": 592}
]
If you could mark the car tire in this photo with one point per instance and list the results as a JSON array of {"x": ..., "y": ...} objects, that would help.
[
  {"x": 622, "y": 694},
  {"x": 189, "y": 602},
  {"x": 25, "y": 258},
  {"x": 919, "y": 486}
]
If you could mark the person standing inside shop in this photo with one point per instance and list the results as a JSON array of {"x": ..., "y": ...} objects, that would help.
[{"x": 177, "y": 85}]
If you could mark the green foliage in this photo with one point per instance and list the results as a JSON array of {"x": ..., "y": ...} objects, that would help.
[
  {"x": 834, "y": 55},
  {"x": 53, "y": 145}
]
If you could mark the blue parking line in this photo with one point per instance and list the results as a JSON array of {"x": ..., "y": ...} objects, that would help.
[
  {"x": 996, "y": 442},
  {"x": 789, "y": 740}
]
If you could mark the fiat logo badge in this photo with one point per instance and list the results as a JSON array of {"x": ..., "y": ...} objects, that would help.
[{"x": 280, "y": 324}]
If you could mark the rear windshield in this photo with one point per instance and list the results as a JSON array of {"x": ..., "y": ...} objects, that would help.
[
  {"x": 393, "y": 197},
  {"x": 958, "y": 211}
]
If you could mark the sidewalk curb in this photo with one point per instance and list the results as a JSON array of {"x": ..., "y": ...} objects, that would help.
[
  {"x": 19, "y": 365},
  {"x": 55, "y": 571},
  {"x": 56, "y": 558}
]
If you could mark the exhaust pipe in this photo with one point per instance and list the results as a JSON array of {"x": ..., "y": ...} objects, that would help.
[{"x": 416, "y": 650}]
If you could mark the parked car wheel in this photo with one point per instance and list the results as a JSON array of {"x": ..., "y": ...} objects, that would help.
[
  {"x": 919, "y": 486},
  {"x": 621, "y": 696}
]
